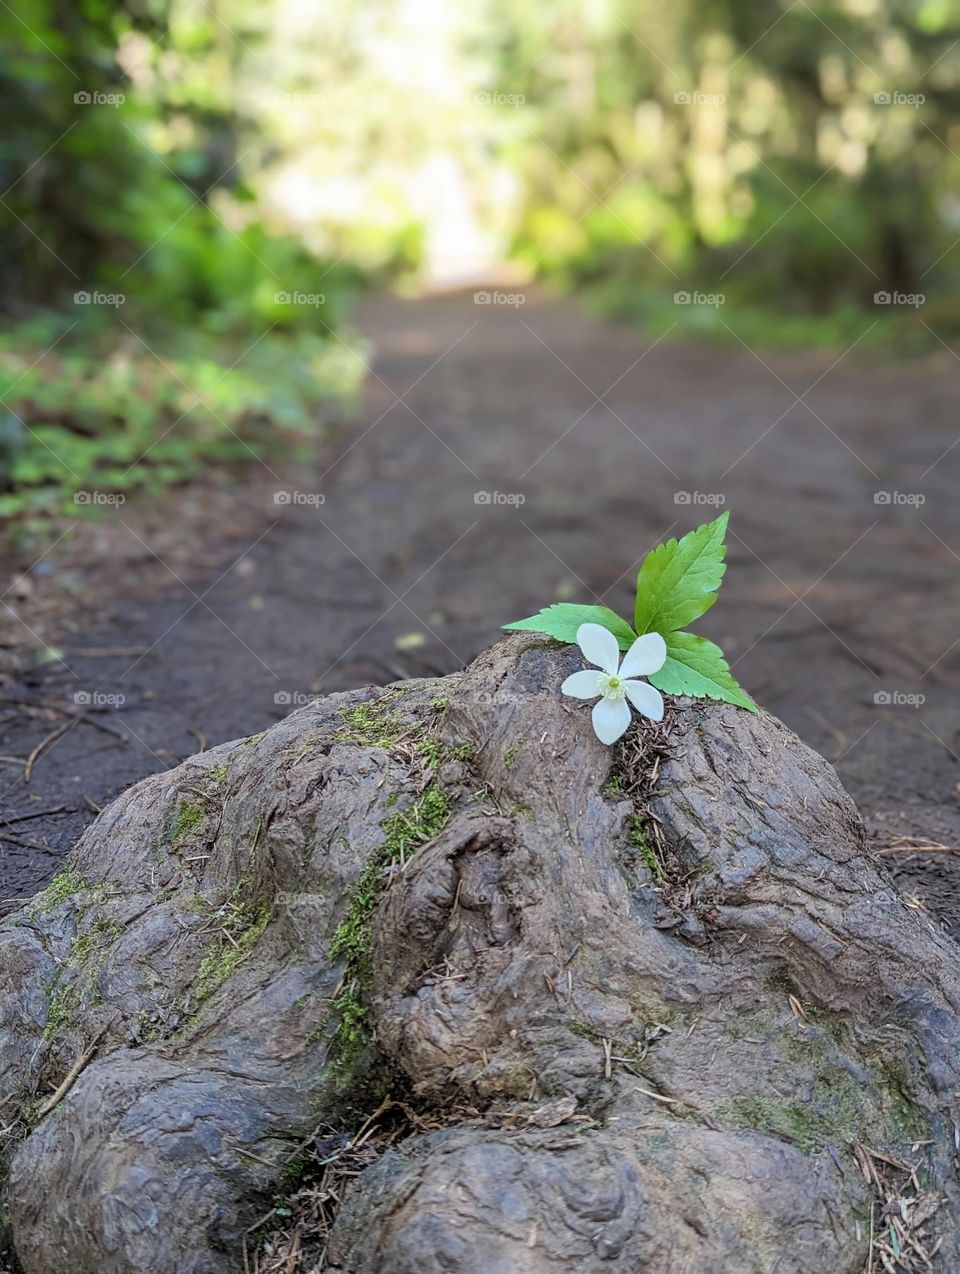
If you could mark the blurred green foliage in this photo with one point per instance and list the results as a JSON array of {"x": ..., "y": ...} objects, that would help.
[
  {"x": 236, "y": 170},
  {"x": 153, "y": 321},
  {"x": 797, "y": 158},
  {"x": 113, "y": 415}
]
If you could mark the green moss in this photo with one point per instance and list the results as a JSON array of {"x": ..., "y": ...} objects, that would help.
[
  {"x": 373, "y": 723},
  {"x": 59, "y": 890},
  {"x": 404, "y": 832},
  {"x": 823, "y": 1041},
  {"x": 240, "y": 934},
  {"x": 614, "y": 788},
  {"x": 148, "y": 1030},
  {"x": 353, "y": 1034},
  {"x": 841, "y": 1117},
  {"x": 841, "y": 1108},
  {"x": 434, "y": 754},
  {"x": 439, "y": 705},
  {"x": 510, "y": 756},
  {"x": 75, "y": 982},
  {"x": 220, "y": 773},
  {"x": 431, "y": 752},
  {"x": 292, "y": 1172},
  {"x": 62, "y": 1008},
  {"x": 189, "y": 819},
  {"x": 584, "y": 1031},
  {"x": 831, "y": 1023},
  {"x": 90, "y": 944},
  {"x": 904, "y": 1118},
  {"x": 640, "y": 844},
  {"x": 780, "y": 980}
]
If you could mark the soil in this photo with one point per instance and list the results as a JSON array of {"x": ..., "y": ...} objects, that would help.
[{"x": 838, "y": 610}]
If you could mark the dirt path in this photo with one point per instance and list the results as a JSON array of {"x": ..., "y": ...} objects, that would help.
[{"x": 831, "y": 600}]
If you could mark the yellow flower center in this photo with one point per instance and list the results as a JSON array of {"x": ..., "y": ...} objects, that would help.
[{"x": 611, "y": 687}]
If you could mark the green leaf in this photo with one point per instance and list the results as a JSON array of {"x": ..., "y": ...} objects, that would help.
[
  {"x": 697, "y": 667},
  {"x": 678, "y": 581},
  {"x": 562, "y": 619}
]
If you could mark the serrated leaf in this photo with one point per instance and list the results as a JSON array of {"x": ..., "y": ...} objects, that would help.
[
  {"x": 562, "y": 619},
  {"x": 678, "y": 581},
  {"x": 696, "y": 666}
]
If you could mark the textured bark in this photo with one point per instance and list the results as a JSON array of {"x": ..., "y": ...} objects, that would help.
[{"x": 673, "y": 1075}]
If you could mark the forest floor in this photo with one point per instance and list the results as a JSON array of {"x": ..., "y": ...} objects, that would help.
[{"x": 593, "y": 443}]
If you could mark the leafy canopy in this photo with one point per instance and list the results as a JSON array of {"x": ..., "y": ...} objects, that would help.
[{"x": 677, "y": 583}]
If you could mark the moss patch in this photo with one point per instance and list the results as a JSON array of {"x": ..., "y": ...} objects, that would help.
[
  {"x": 435, "y": 754},
  {"x": 75, "y": 982},
  {"x": 62, "y": 1010},
  {"x": 640, "y": 846},
  {"x": 840, "y": 1116},
  {"x": 614, "y": 788},
  {"x": 189, "y": 819},
  {"x": 59, "y": 890},
  {"x": 404, "y": 832},
  {"x": 904, "y": 1118},
  {"x": 844, "y": 1102},
  {"x": 791, "y": 1122},
  {"x": 241, "y": 931},
  {"x": 374, "y": 724},
  {"x": 431, "y": 751}
]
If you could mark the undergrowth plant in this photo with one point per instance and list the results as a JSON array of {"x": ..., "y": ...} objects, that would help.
[{"x": 677, "y": 583}]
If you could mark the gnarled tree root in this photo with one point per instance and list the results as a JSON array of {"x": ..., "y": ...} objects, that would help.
[{"x": 696, "y": 1044}]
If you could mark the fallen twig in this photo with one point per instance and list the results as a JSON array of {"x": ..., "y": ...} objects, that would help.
[
  {"x": 57, "y": 1096},
  {"x": 45, "y": 743},
  {"x": 25, "y": 818}
]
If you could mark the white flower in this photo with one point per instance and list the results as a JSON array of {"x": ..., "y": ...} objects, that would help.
[{"x": 614, "y": 683}]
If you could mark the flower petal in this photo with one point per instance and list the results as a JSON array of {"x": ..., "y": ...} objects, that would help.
[
  {"x": 582, "y": 685},
  {"x": 647, "y": 700},
  {"x": 599, "y": 647},
  {"x": 647, "y": 654},
  {"x": 610, "y": 719}
]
